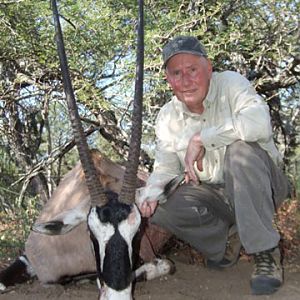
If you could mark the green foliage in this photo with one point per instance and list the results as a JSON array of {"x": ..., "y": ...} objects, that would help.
[
  {"x": 260, "y": 39},
  {"x": 14, "y": 228}
]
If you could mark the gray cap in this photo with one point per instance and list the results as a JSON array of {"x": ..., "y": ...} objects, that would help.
[{"x": 182, "y": 44}]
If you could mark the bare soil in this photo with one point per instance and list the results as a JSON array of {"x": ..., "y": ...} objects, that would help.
[{"x": 191, "y": 281}]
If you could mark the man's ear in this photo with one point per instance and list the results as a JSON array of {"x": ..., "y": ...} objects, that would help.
[
  {"x": 209, "y": 65},
  {"x": 167, "y": 78}
]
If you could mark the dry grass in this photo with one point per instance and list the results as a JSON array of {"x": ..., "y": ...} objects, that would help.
[{"x": 288, "y": 223}]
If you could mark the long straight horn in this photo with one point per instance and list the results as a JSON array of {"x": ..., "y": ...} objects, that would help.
[
  {"x": 95, "y": 189},
  {"x": 127, "y": 194}
]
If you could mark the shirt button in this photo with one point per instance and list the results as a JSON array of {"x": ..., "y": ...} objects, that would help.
[
  {"x": 213, "y": 145},
  {"x": 204, "y": 120}
]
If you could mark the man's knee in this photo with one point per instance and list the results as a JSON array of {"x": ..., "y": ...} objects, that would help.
[
  {"x": 238, "y": 144},
  {"x": 159, "y": 217},
  {"x": 242, "y": 148},
  {"x": 243, "y": 153}
]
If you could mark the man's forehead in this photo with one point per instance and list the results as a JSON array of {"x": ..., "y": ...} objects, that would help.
[{"x": 184, "y": 60}]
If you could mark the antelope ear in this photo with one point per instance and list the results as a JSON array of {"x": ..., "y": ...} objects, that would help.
[
  {"x": 52, "y": 228},
  {"x": 62, "y": 223}
]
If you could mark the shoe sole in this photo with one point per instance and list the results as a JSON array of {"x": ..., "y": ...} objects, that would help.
[
  {"x": 264, "y": 286},
  {"x": 217, "y": 266}
]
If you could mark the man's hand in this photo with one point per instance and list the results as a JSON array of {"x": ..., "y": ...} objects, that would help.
[
  {"x": 194, "y": 153},
  {"x": 147, "y": 208}
]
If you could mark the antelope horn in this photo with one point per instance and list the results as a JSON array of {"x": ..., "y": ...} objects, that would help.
[
  {"x": 127, "y": 194},
  {"x": 94, "y": 186}
]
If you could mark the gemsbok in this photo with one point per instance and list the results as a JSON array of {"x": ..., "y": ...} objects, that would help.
[
  {"x": 112, "y": 219},
  {"x": 62, "y": 258}
]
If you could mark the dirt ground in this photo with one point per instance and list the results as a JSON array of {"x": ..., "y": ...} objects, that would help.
[{"x": 191, "y": 281}]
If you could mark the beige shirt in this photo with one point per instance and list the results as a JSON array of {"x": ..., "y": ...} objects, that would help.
[{"x": 233, "y": 111}]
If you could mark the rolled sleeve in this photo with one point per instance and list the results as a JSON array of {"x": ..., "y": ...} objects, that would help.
[{"x": 166, "y": 167}]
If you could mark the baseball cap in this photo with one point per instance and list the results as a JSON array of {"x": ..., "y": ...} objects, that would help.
[{"x": 182, "y": 44}]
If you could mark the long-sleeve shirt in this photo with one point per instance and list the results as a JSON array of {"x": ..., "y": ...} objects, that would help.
[{"x": 232, "y": 111}]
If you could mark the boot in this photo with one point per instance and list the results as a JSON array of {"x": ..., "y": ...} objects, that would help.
[{"x": 267, "y": 276}]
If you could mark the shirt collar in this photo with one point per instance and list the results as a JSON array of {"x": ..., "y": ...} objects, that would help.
[{"x": 211, "y": 95}]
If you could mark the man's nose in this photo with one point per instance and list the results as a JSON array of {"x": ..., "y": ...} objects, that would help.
[{"x": 185, "y": 79}]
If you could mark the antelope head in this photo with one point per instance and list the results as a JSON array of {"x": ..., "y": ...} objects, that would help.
[{"x": 112, "y": 219}]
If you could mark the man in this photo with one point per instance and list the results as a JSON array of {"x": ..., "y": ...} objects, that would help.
[{"x": 216, "y": 131}]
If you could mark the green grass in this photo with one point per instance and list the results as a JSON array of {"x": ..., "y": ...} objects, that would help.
[{"x": 14, "y": 229}]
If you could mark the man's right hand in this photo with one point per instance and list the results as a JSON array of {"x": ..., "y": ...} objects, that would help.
[
  {"x": 195, "y": 153},
  {"x": 147, "y": 208}
]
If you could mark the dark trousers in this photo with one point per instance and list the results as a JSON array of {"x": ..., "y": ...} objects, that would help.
[{"x": 202, "y": 214}]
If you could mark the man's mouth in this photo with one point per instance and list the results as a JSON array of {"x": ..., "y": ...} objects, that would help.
[{"x": 189, "y": 92}]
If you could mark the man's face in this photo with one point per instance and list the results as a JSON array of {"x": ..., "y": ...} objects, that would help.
[{"x": 189, "y": 77}]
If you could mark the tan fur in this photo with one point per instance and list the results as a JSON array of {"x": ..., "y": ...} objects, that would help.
[{"x": 53, "y": 257}]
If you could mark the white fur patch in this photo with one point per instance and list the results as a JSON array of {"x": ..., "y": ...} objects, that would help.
[
  {"x": 2, "y": 287},
  {"x": 110, "y": 294},
  {"x": 156, "y": 268},
  {"x": 74, "y": 216},
  {"x": 102, "y": 232},
  {"x": 29, "y": 269},
  {"x": 129, "y": 227},
  {"x": 98, "y": 284}
]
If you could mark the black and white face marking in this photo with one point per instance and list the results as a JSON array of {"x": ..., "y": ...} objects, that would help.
[{"x": 113, "y": 227}]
